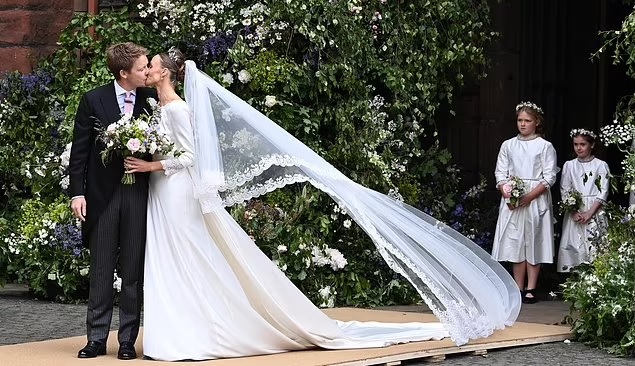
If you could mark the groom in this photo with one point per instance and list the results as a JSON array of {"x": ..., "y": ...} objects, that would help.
[{"x": 113, "y": 215}]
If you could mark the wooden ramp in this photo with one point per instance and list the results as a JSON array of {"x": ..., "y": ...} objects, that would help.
[{"x": 62, "y": 352}]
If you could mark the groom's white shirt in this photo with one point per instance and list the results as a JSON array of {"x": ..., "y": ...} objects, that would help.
[{"x": 121, "y": 96}]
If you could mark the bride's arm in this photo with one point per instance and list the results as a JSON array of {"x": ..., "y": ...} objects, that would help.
[{"x": 182, "y": 136}]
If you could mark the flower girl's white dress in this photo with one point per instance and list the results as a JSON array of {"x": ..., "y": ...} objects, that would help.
[
  {"x": 526, "y": 233},
  {"x": 574, "y": 244}
]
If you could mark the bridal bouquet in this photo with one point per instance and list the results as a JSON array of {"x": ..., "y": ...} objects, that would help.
[
  {"x": 136, "y": 136},
  {"x": 571, "y": 202},
  {"x": 515, "y": 187}
]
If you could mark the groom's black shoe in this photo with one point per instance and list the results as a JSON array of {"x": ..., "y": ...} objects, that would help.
[
  {"x": 92, "y": 350},
  {"x": 126, "y": 351}
]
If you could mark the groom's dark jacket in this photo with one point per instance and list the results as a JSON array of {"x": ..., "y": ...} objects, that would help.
[{"x": 89, "y": 176}]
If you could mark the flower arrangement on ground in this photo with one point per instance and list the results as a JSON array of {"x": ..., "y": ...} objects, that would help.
[{"x": 46, "y": 251}]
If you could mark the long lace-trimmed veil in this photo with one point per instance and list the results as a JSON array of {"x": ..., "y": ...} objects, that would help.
[{"x": 242, "y": 154}]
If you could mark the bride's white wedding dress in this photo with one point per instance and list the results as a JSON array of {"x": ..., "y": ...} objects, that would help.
[{"x": 211, "y": 293}]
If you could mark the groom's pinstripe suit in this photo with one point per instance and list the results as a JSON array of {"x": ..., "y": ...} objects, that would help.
[{"x": 115, "y": 226}]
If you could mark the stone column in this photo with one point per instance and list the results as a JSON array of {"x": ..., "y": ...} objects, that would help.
[{"x": 29, "y": 30}]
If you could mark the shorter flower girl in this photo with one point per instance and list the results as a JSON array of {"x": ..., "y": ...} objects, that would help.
[{"x": 587, "y": 178}]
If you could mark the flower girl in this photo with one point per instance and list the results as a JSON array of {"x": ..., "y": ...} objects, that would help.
[
  {"x": 525, "y": 171},
  {"x": 584, "y": 187}
]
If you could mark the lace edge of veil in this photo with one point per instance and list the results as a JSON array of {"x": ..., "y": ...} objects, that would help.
[{"x": 462, "y": 322}]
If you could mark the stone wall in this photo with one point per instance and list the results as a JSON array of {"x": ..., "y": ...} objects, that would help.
[{"x": 29, "y": 30}]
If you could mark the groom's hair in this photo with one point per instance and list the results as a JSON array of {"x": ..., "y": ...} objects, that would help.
[{"x": 121, "y": 56}]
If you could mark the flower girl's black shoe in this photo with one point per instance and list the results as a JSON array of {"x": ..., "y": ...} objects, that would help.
[{"x": 530, "y": 300}]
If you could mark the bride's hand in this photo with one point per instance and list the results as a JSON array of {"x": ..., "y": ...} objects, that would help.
[{"x": 135, "y": 165}]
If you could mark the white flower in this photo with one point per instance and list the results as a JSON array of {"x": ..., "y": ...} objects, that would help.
[
  {"x": 328, "y": 296},
  {"x": 325, "y": 292},
  {"x": 282, "y": 248},
  {"x": 244, "y": 76},
  {"x": 66, "y": 156},
  {"x": 318, "y": 257},
  {"x": 153, "y": 147},
  {"x": 347, "y": 223},
  {"x": 270, "y": 101},
  {"x": 143, "y": 125},
  {"x": 152, "y": 103},
  {"x": 228, "y": 78},
  {"x": 52, "y": 276},
  {"x": 84, "y": 271},
  {"x": 65, "y": 182},
  {"x": 336, "y": 258},
  {"x": 116, "y": 282}
]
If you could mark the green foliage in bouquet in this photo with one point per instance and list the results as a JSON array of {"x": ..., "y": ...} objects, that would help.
[
  {"x": 601, "y": 293},
  {"x": 571, "y": 202},
  {"x": 45, "y": 251}
]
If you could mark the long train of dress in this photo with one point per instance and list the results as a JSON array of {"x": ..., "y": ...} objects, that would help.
[{"x": 211, "y": 293}]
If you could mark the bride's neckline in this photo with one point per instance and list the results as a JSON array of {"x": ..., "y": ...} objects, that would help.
[{"x": 170, "y": 102}]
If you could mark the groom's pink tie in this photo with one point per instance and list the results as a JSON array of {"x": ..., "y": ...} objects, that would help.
[{"x": 128, "y": 103}]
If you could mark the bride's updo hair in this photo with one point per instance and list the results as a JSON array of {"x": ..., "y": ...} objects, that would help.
[{"x": 174, "y": 61}]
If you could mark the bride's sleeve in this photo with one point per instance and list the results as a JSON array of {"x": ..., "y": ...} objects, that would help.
[{"x": 183, "y": 136}]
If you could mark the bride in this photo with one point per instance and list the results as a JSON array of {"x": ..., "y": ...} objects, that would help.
[{"x": 209, "y": 290}]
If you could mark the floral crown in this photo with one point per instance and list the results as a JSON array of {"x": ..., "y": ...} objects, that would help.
[
  {"x": 531, "y": 105},
  {"x": 581, "y": 131}
]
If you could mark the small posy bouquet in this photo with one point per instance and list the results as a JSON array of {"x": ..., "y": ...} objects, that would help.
[
  {"x": 571, "y": 202},
  {"x": 515, "y": 187},
  {"x": 139, "y": 136}
]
